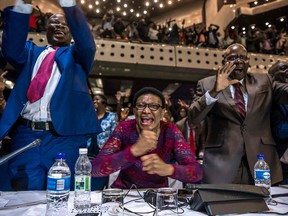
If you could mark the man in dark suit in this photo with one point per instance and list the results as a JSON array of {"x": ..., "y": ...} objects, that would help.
[
  {"x": 236, "y": 134},
  {"x": 64, "y": 115},
  {"x": 279, "y": 117}
]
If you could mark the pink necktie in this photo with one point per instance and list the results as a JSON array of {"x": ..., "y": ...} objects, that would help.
[
  {"x": 39, "y": 82},
  {"x": 239, "y": 100}
]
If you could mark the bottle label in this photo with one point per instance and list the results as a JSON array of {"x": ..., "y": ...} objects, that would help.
[
  {"x": 82, "y": 182},
  {"x": 262, "y": 174},
  {"x": 58, "y": 184}
]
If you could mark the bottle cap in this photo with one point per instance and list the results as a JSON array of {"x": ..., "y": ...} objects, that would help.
[
  {"x": 83, "y": 150},
  {"x": 61, "y": 156},
  {"x": 260, "y": 156}
]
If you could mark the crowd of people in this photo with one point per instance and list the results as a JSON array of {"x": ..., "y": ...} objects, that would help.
[
  {"x": 271, "y": 40},
  {"x": 147, "y": 140}
]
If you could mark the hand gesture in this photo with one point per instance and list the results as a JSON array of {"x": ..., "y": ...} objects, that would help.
[
  {"x": 153, "y": 164},
  {"x": 146, "y": 142},
  {"x": 222, "y": 78},
  {"x": 124, "y": 113},
  {"x": 182, "y": 103}
]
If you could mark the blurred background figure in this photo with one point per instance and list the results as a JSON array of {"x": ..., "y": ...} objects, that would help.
[
  {"x": 279, "y": 117},
  {"x": 108, "y": 122}
]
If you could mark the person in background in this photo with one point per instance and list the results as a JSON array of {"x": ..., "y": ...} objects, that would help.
[
  {"x": 142, "y": 148},
  {"x": 236, "y": 104},
  {"x": 279, "y": 116},
  {"x": 63, "y": 114},
  {"x": 108, "y": 122},
  {"x": 124, "y": 106},
  {"x": 194, "y": 135},
  {"x": 2, "y": 88}
]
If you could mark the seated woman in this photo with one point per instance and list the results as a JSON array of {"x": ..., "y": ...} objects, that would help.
[{"x": 142, "y": 148}]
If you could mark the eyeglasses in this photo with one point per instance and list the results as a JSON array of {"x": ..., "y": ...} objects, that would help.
[
  {"x": 152, "y": 107},
  {"x": 235, "y": 57}
]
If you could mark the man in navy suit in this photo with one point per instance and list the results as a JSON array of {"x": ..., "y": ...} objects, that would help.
[{"x": 64, "y": 116}]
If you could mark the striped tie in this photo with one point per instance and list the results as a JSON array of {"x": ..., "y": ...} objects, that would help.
[{"x": 239, "y": 100}]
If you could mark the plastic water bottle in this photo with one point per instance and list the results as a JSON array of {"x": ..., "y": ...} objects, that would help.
[
  {"x": 262, "y": 173},
  {"x": 58, "y": 187},
  {"x": 82, "y": 186}
]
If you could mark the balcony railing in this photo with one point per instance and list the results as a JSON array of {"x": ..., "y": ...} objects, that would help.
[{"x": 181, "y": 58}]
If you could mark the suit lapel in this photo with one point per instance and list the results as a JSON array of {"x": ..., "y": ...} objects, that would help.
[
  {"x": 251, "y": 89},
  {"x": 228, "y": 97}
]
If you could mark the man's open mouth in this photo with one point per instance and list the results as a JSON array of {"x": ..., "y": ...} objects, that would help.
[{"x": 58, "y": 33}]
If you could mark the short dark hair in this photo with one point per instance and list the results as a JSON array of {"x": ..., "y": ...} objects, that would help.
[{"x": 149, "y": 90}]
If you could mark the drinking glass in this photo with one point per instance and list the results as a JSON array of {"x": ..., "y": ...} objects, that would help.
[
  {"x": 112, "y": 202},
  {"x": 167, "y": 202}
]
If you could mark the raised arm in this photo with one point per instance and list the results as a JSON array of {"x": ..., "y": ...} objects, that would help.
[{"x": 85, "y": 47}]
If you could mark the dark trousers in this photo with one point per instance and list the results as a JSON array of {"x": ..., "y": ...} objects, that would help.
[
  {"x": 28, "y": 170},
  {"x": 243, "y": 175}
]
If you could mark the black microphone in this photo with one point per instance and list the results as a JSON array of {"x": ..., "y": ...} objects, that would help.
[{"x": 19, "y": 151}]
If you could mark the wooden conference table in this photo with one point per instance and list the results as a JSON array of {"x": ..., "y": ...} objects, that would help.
[{"x": 32, "y": 203}]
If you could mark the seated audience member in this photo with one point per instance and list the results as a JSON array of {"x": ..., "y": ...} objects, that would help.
[
  {"x": 237, "y": 105},
  {"x": 142, "y": 148},
  {"x": 279, "y": 118}
]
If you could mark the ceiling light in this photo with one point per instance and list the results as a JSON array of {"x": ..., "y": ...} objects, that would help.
[
  {"x": 161, "y": 5},
  {"x": 82, "y": 2},
  {"x": 90, "y": 6}
]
